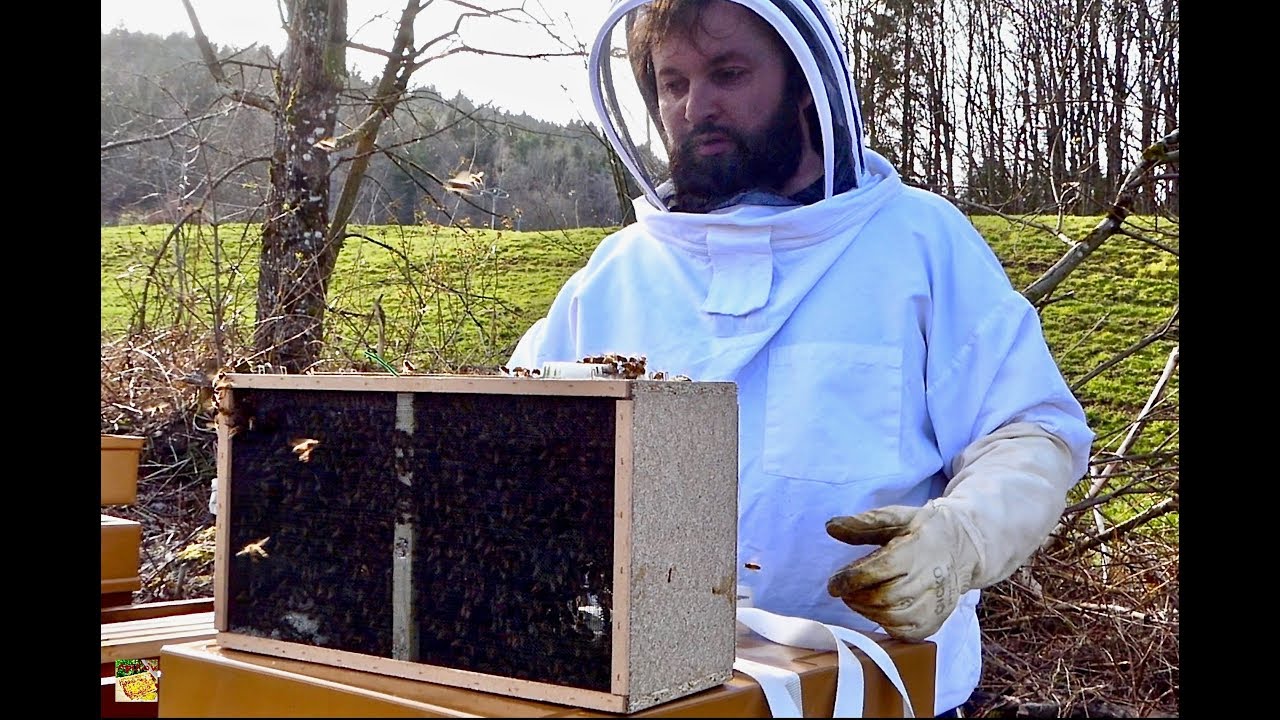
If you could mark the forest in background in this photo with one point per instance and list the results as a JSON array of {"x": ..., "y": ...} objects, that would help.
[
  {"x": 1014, "y": 106},
  {"x": 557, "y": 176}
]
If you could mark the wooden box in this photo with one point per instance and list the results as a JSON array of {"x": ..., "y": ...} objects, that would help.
[
  {"x": 572, "y": 541},
  {"x": 203, "y": 679},
  {"x": 143, "y": 638},
  {"x": 120, "y": 457},
  {"x": 121, "y": 548}
]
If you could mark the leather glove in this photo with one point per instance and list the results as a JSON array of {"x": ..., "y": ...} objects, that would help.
[{"x": 1007, "y": 491}]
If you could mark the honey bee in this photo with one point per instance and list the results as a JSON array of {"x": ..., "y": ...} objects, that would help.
[
  {"x": 221, "y": 398},
  {"x": 633, "y": 368},
  {"x": 466, "y": 183},
  {"x": 302, "y": 447},
  {"x": 238, "y": 419},
  {"x": 626, "y": 366},
  {"x": 254, "y": 549}
]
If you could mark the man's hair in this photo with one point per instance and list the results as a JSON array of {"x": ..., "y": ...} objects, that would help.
[{"x": 649, "y": 24}]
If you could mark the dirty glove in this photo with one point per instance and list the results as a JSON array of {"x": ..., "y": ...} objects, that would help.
[{"x": 1007, "y": 491}]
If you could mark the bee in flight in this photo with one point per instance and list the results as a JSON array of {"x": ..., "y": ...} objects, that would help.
[
  {"x": 302, "y": 447},
  {"x": 254, "y": 549}
]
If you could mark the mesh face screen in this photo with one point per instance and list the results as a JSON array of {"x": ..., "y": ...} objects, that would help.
[{"x": 507, "y": 499}]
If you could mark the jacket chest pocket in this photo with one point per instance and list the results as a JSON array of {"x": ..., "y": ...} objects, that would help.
[{"x": 833, "y": 411}]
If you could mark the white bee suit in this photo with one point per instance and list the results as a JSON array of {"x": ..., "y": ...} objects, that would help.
[{"x": 873, "y": 336}]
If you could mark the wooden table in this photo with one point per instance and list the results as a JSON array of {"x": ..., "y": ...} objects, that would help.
[
  {"x": 201, "y": 679},
  {"x": 136, "y": 632}
]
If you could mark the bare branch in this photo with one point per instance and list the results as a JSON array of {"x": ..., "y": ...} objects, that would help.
[
  {"x": 1164, "y": 151},
  {"x": 386, "y": 96},
  {"x": 167, "y": 134},
  {"x": 1139, "y": 423},
  {"x": 211, "y": 61},
  {"x": 420, "y": 272},
  {"x": 1169, "y": 327},
  {"x": 1150, "y": 241},
  {"x": 1164, "y": 507},
  {"x": 479, "y": 12},
  {"x": 177, "y": 228},
  {"x": 1119, "y": 610},
  {"x": 1016, "y": 219},
  {"x": 1126, "y": 491}
]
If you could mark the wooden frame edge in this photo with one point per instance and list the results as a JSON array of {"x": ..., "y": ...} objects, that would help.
[
  {"x": 511, "y": 687},
  {"x": 624, "y": 445},
  {"x": 224, "y": 403},
  {"x": 481, "y": 384},
  {"x": 196, "y": 652}
]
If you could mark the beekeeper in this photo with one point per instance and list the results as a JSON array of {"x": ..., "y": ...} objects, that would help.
[{"x": 894, "y": 389}]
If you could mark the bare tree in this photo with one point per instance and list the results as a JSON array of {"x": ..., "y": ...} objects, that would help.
[
  {"x": 303, "y": 229},
  {"x": 1031, "y": 106}
]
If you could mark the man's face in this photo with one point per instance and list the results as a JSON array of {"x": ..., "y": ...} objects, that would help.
[{"x": 721, "y": 94}]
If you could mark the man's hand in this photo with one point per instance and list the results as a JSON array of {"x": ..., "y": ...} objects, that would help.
[
  {"x": 911, "y": 584},
  {"x": 1007, "y": 490}
]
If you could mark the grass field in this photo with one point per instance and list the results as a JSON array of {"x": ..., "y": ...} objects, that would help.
[{"x": 450, "y": 297}]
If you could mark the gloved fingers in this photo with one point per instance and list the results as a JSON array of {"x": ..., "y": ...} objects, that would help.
[
  {"x": 909, "y": 630},
  {"x": 899, "y": 622},
  {"x": 872, "y": 602},
  {"x": 869, "y": 599},
  {"x": 899, "y": 592},
  {"x": 874, "y": 527},
  {"x": 889, "y": 563},
  {"x": 914, "y": 619}
]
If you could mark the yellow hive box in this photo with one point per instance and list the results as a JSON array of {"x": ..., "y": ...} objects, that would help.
[
  {"x": 203, "y": 679},
  {"x": 121, "y": 545},
  {"x": 120, "y": 456}
]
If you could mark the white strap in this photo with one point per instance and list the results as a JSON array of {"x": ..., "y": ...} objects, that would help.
[
  {"x": 801, "y": 632},
  {"x": 882, "y": 660},
  {"x": 781, "y": 687}
]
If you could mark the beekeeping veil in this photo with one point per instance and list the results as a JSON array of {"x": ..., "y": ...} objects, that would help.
[{"x": 627, "y": 105}]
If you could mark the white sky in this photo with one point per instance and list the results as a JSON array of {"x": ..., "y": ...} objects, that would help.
[{"x": 554, "y": 89}]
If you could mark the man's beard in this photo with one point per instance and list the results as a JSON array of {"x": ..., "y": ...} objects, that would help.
[{"x": 761, "y": 160}]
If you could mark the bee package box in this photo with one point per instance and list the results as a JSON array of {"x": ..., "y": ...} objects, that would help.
[
  {"x": 121, "y": 547},
  {"x": 120, "y": 456},
  {"x": 570, "y": 541}
]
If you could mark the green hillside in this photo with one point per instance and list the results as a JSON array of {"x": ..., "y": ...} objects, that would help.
[{"x": 453, "y": 297}]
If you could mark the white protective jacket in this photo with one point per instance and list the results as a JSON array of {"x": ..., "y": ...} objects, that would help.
[{"x": 873, "y": 337}]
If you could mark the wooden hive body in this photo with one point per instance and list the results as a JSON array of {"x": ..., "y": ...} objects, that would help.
[
  {"x": 120, "y": 457},
  {"x": 121, "y": 555},
  {"x": 559, "y": 540}
]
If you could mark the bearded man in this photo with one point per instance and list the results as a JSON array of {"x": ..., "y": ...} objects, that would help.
[{"x": 905, "y": 436}]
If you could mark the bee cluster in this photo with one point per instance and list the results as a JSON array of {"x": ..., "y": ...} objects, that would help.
[
  {"x": 311, "y": 539},
  {"x": 510, "y": 501},
  {"x": 610, "y": 365},
  {"x": 516, "y": 498}
]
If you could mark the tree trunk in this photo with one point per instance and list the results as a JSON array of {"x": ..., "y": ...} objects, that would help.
[{"x": 297, "y": 250}]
